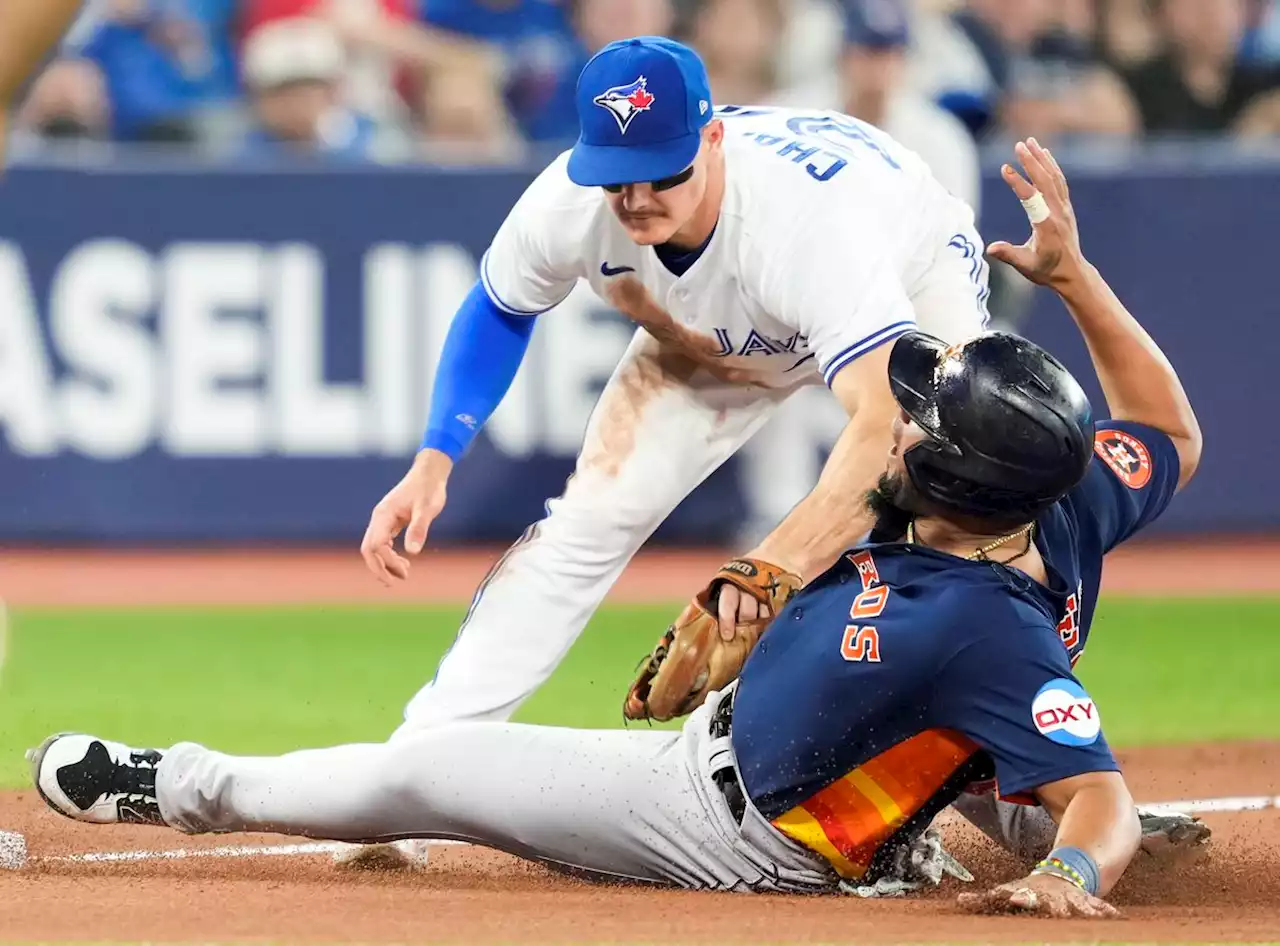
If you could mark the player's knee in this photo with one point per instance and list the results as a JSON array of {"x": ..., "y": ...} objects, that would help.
[
  {"x": 412, "y": 761},
  {"x": 392, "y": 772}
]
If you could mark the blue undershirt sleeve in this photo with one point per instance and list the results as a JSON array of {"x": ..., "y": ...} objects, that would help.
[{"x": 481, "y": 355}]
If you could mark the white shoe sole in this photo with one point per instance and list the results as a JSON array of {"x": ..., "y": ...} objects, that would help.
[{"x": 35, "y": 760}]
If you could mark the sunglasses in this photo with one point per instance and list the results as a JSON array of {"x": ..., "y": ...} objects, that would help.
[{"x": 675, "y": 180}]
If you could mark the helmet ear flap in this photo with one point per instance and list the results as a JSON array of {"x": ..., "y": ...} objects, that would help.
[
  {"x": 922, "y": 470},
  {"x": 947, "y": 491}
]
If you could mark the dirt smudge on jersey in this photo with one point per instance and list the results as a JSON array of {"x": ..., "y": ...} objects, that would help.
[
  {"x": 631, "y": 298},
  {"x": 646, "y": 374},
  {"x": 670, "y": 358}
]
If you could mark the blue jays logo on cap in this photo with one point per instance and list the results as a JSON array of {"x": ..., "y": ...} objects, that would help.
[
  {"x": 652, "y": 74},
  {"x": 625, "y": 102}
]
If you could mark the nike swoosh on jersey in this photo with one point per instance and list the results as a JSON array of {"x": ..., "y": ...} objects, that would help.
[{"x": 607, "y": 270}]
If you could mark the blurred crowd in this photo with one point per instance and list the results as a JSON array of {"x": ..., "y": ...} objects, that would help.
[{"x": 493, "y": 80}]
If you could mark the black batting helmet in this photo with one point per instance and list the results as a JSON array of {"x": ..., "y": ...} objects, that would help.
[{"x": 1010, "y": 431}]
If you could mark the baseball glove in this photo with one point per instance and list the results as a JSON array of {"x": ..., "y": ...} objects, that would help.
[{"x": 692, "y": 659}]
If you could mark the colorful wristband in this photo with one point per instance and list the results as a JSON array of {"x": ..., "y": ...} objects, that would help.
[{"x": 1073, "y": 865}]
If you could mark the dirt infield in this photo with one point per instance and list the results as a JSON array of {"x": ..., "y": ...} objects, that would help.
[
  {"x": 1229, "y": 892},
  {"x": 92, "y": 578}
]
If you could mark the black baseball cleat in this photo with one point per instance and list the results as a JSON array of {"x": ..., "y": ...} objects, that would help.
[{"x": 93, "y": 780}]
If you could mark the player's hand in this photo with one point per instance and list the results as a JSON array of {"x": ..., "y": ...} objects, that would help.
[
  {"x": 695, "y": 656},
  {"x": 1052, "y": 255},
  {"x": 413, "y": 502},
  {"x": 733, "y": 608},
  {"x": 1040, "y": 894}
]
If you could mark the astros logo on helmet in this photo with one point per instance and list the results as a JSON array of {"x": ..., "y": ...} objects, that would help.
[{"x": 625, "y": 102}]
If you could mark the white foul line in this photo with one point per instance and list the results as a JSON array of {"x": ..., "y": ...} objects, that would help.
[
  {"x": 311, "y": 848},
  {"x": 239, "y": 850},
  {"x": 1199, "y": 806}
]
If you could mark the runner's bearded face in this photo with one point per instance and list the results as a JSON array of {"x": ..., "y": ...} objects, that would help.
[{"x": 894, "y": 501}]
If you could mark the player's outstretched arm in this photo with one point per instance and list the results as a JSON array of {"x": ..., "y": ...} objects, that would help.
[
  {"x": 687, "y": 661},
  {"x": 1098, "y": 835},
  {"x": 481, "y": 356},
  {"x": 825, "y": 523},
  {"x": 28, "y": 30},
  {"x": 1139, "y": 382},
  {"x": 832, "y": 517}
]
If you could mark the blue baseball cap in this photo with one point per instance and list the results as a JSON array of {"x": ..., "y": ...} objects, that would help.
[{"x": 642, "y": 103}]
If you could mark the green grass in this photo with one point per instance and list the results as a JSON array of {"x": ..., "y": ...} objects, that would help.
[
  {"x": 269, "y": 680},
  {"x": 1165, "y": 671}
]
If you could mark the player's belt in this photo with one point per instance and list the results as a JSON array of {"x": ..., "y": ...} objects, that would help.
[{"x": 726, "y": 779}]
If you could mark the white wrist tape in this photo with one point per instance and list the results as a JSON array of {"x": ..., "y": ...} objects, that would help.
[{"x": 1037, "y": 208}]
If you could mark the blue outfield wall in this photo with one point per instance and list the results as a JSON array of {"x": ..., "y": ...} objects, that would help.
[{"x": 192, "y": 355}]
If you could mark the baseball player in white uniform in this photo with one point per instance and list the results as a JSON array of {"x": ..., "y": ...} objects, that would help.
[
  {"x": 763, "y": 249},
  {"x": 759, "y": 250}
]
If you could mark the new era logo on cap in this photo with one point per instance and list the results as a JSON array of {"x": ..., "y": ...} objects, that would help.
[{"x": 625, "y": 102}]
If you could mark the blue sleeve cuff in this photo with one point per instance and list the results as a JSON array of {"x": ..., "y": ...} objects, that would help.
[
  {"x": 863, "y": 345},
  {"x": 445, "y": 442},
  {"x": 481, "y": 356}
]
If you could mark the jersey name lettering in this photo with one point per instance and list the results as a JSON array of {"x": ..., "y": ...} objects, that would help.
[
  {"x": 824, "y": 167},
  {"x": 862, "y": 641},
  {"x": 823, "y": 144},
  {"x": 758, "y": 344},
  {"x": 1069, "y": 626}
]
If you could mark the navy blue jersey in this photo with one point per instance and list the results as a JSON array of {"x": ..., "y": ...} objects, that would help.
[
  {"x": 1132, "y": 478},
  {"x": 903, "y": 673}
]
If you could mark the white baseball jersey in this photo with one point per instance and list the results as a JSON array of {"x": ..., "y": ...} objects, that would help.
[{"x": 828, "y": 229}]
